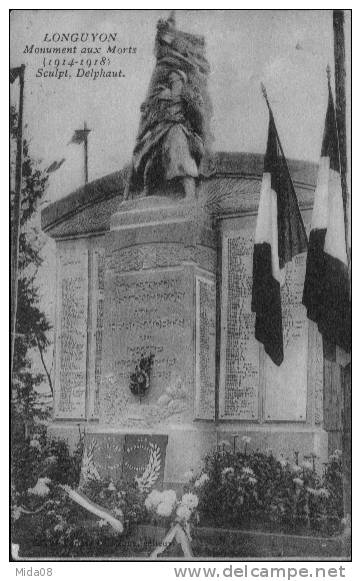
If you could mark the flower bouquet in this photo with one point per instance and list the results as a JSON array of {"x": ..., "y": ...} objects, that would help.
[{"x": 178, "y": 513}]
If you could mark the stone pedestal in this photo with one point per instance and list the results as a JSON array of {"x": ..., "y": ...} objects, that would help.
[
  {"x": 159, "y": 298},
  {"x": 147, "y": 286}
]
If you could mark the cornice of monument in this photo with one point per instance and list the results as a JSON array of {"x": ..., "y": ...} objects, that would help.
[{"x": 234, "y": 180}]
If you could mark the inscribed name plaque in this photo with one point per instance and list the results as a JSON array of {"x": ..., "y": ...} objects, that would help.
[
  {"x": 205, "y": 348},
  {"x": 146, "y": 313},
  {"x": 286, "y": 385},
  {"x": 315, "y": 369},
  {"x": 239, "y": 364},
  {"x": 72, "y": 309},
  {"x": 97, "y": 317}
]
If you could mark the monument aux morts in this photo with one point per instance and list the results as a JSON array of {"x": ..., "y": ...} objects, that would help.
[{"x": 155, "y": 350}]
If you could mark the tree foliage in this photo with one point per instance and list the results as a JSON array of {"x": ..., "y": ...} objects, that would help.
[{"x": 32, "y": 325}]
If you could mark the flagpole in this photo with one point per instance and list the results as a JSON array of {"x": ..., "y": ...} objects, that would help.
[
  {"x": 85, "y": 153},
  {"x": 340, "y": 90},
  {"x": 81, "y": 136},
  {"x": 264, "y": 93},
  {"x": 16, "y": 216}
]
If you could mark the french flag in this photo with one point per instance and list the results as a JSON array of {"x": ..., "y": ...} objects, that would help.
[
  {"x": 326, "y": 293},
  {"x": 280, "y": 235}
]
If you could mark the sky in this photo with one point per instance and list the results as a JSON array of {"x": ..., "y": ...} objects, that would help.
[{"x": 286, "y": 49}]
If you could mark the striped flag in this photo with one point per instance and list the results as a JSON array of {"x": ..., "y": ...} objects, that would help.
[
  {"x": 326, "y": 293},
  {"x": 280, "y": 235}
]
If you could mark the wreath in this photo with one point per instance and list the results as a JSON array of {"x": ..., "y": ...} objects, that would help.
[{"x": 140, "y": 379}]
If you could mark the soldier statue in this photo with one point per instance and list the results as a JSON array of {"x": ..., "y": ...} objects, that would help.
[{"x": 174, "y": 133}]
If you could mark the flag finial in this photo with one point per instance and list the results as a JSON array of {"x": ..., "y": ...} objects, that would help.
[
  {"x": 328, "y": 72},
  {"x": 264, "y": 92}
]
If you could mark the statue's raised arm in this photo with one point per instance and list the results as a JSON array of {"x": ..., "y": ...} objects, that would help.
[{"x": 174, "y": 131}]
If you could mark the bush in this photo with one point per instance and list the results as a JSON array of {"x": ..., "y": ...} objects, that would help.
[
  {"x": 39, "y": 457},
  {"x": 256, "y": 490},
  {"x": 47, "y": 523},
  {"x": 65, "y": 529},
  {"x": 120, "y": 498},
  {"x": 235, "y": 489}
]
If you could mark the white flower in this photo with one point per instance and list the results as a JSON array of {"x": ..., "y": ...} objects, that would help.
[
  {"x": 224, "y": 444},
  {"x": 40, "y": 488},
  {"x": 248, "y": 471},
  {"x": 298, "y": 481},
  {"x": 201, "y": 480},
  {"x": 169, "y": 497},
  {"x": 153, "y": 499},
  {"x": 336, "y": 456},
  {"x": 111, "y": 486},
  {"x": 252, "y": 480},
  {"x": 15, "y": 550},
  {"x": 162, "y": 502},
  {"x": 59, "y": 527},
  {"x": 189, "y": 475},
  {"x": 228, "y": 470},
  {"x": 16, "y": 512},
  {"x": 323, "y": 492},
  {"x": 296, "y": 469},
  {"x": 165, "y": 509},
  {"x": 184, "y": 512},
  {"x": 190, "y": 500},
  {"x": 246, "y": 439},
  {"x": 102, "y": 523},
  {"x": 307, "y": 465},
  {"x": 282, "y": 461},
  {"x": 35, "y": 444},
  {"x": 50, "y": 459}
]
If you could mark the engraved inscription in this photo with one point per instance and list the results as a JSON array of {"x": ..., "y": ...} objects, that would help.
[
  {"x": 286, "y": 386},
  {"x": 239, "y": 378},
  {"x": 70, "y": 382},
  {"x": 98, "y": 265},
  {"x": 205, "y": 348},
  {"x": 318, "y": 374},
  {"x": 146, "y": 313},
  {"x": 156, "y": 255}
]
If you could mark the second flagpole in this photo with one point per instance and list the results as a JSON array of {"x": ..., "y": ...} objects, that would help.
[
  {"x": 15, "y": 234},
  {"x": 85, "y": 153}
]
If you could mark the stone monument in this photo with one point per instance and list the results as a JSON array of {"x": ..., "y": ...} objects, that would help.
[{"x": 155, "y": 350}]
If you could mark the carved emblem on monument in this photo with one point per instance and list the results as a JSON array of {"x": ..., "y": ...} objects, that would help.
[
  {"x": 116, "y": 457},
  {"x": 174, "y": 133},
  {"x": 140, "y": 379},
  {"x": 102, "y": 457},
  {"x": 144, "y": 458}
]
